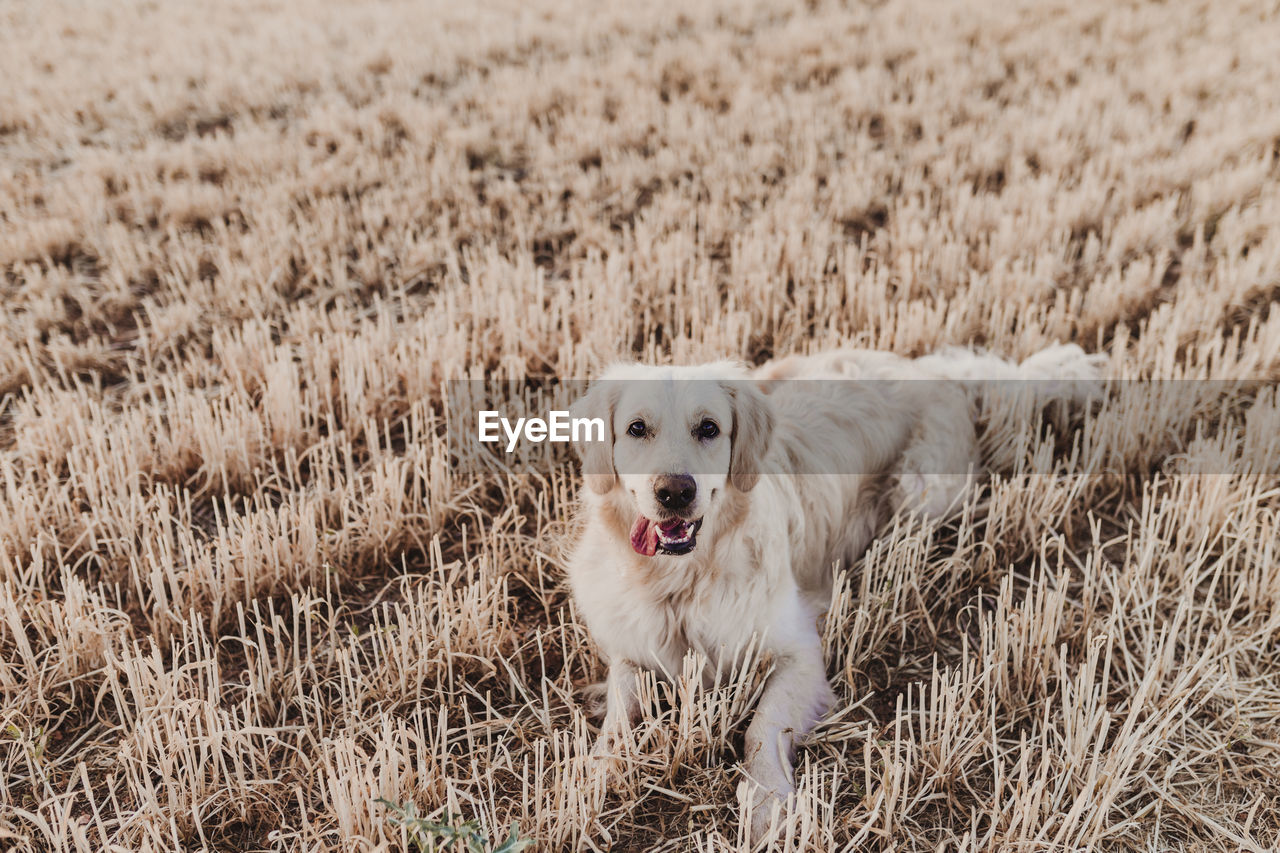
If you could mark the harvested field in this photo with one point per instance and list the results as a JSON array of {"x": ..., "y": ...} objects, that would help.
[{"x": 249, "y": 588}]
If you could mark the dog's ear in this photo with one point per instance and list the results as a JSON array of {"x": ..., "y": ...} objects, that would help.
[
  {"x": 597, "y": 456},
  {"x": 752, "y": 431}
]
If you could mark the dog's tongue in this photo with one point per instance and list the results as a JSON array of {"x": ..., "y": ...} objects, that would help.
[{"x": 644, "y": 536}]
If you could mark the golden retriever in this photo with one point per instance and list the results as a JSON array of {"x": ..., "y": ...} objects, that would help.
[{"x": 722, "y": 498}]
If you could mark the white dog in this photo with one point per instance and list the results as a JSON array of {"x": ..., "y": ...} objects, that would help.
[{"x": 722, "y": 499}]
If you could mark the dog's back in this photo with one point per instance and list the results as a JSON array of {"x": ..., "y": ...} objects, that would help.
[{"x": 861, "y": 435}]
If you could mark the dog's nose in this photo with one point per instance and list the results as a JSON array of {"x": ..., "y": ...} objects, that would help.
[{"x": 675, "y": 491}]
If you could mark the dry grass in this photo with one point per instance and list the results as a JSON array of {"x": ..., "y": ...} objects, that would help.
[{"x": 247, "y": 587}]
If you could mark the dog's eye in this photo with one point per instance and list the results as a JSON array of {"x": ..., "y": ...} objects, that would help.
[
  {"x": 707, "y": 429},
  {"x": 636, "y": 429}
]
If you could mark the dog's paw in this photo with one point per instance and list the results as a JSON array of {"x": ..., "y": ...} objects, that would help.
[
  {"x": 933, "y": 496},
  {"x": 765, "y": 810},
  {"x": 607, "y": 761}
]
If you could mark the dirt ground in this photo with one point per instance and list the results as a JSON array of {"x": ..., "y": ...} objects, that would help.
[{"x": 249, "y": 587}]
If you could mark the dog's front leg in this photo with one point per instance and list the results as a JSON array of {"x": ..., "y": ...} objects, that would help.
[
  {"x": 795, "y": 697},
  {"x": 622, "y": 696},
  {"x": 622, "y": 708}
]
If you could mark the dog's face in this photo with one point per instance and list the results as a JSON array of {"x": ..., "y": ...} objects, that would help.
[
  {"x": 671, "y": 450},
  {"x": 678, "y": 440}
]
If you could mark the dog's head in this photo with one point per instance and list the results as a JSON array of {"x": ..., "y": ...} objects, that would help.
[{"x": 678, "y": 441}]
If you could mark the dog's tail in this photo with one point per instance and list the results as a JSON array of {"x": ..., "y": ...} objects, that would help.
[
  {"x": 1000, "y": 394},
  {"x": 1062, "y": 374},
  {"x": 1057, "y": 363},
  {"x": 1059, "y": 383}
]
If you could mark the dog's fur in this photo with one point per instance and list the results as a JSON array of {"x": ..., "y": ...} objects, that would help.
[{"x": 762, "y": 566}]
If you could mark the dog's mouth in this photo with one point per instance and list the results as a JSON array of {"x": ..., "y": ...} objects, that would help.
[{"x": 673, "y": 536}]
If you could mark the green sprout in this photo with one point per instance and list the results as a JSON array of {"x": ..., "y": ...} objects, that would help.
[{"x": 428, "y": 836}]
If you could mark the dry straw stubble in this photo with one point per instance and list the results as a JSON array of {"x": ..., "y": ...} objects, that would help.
[{"x": 245, "y": 591}]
